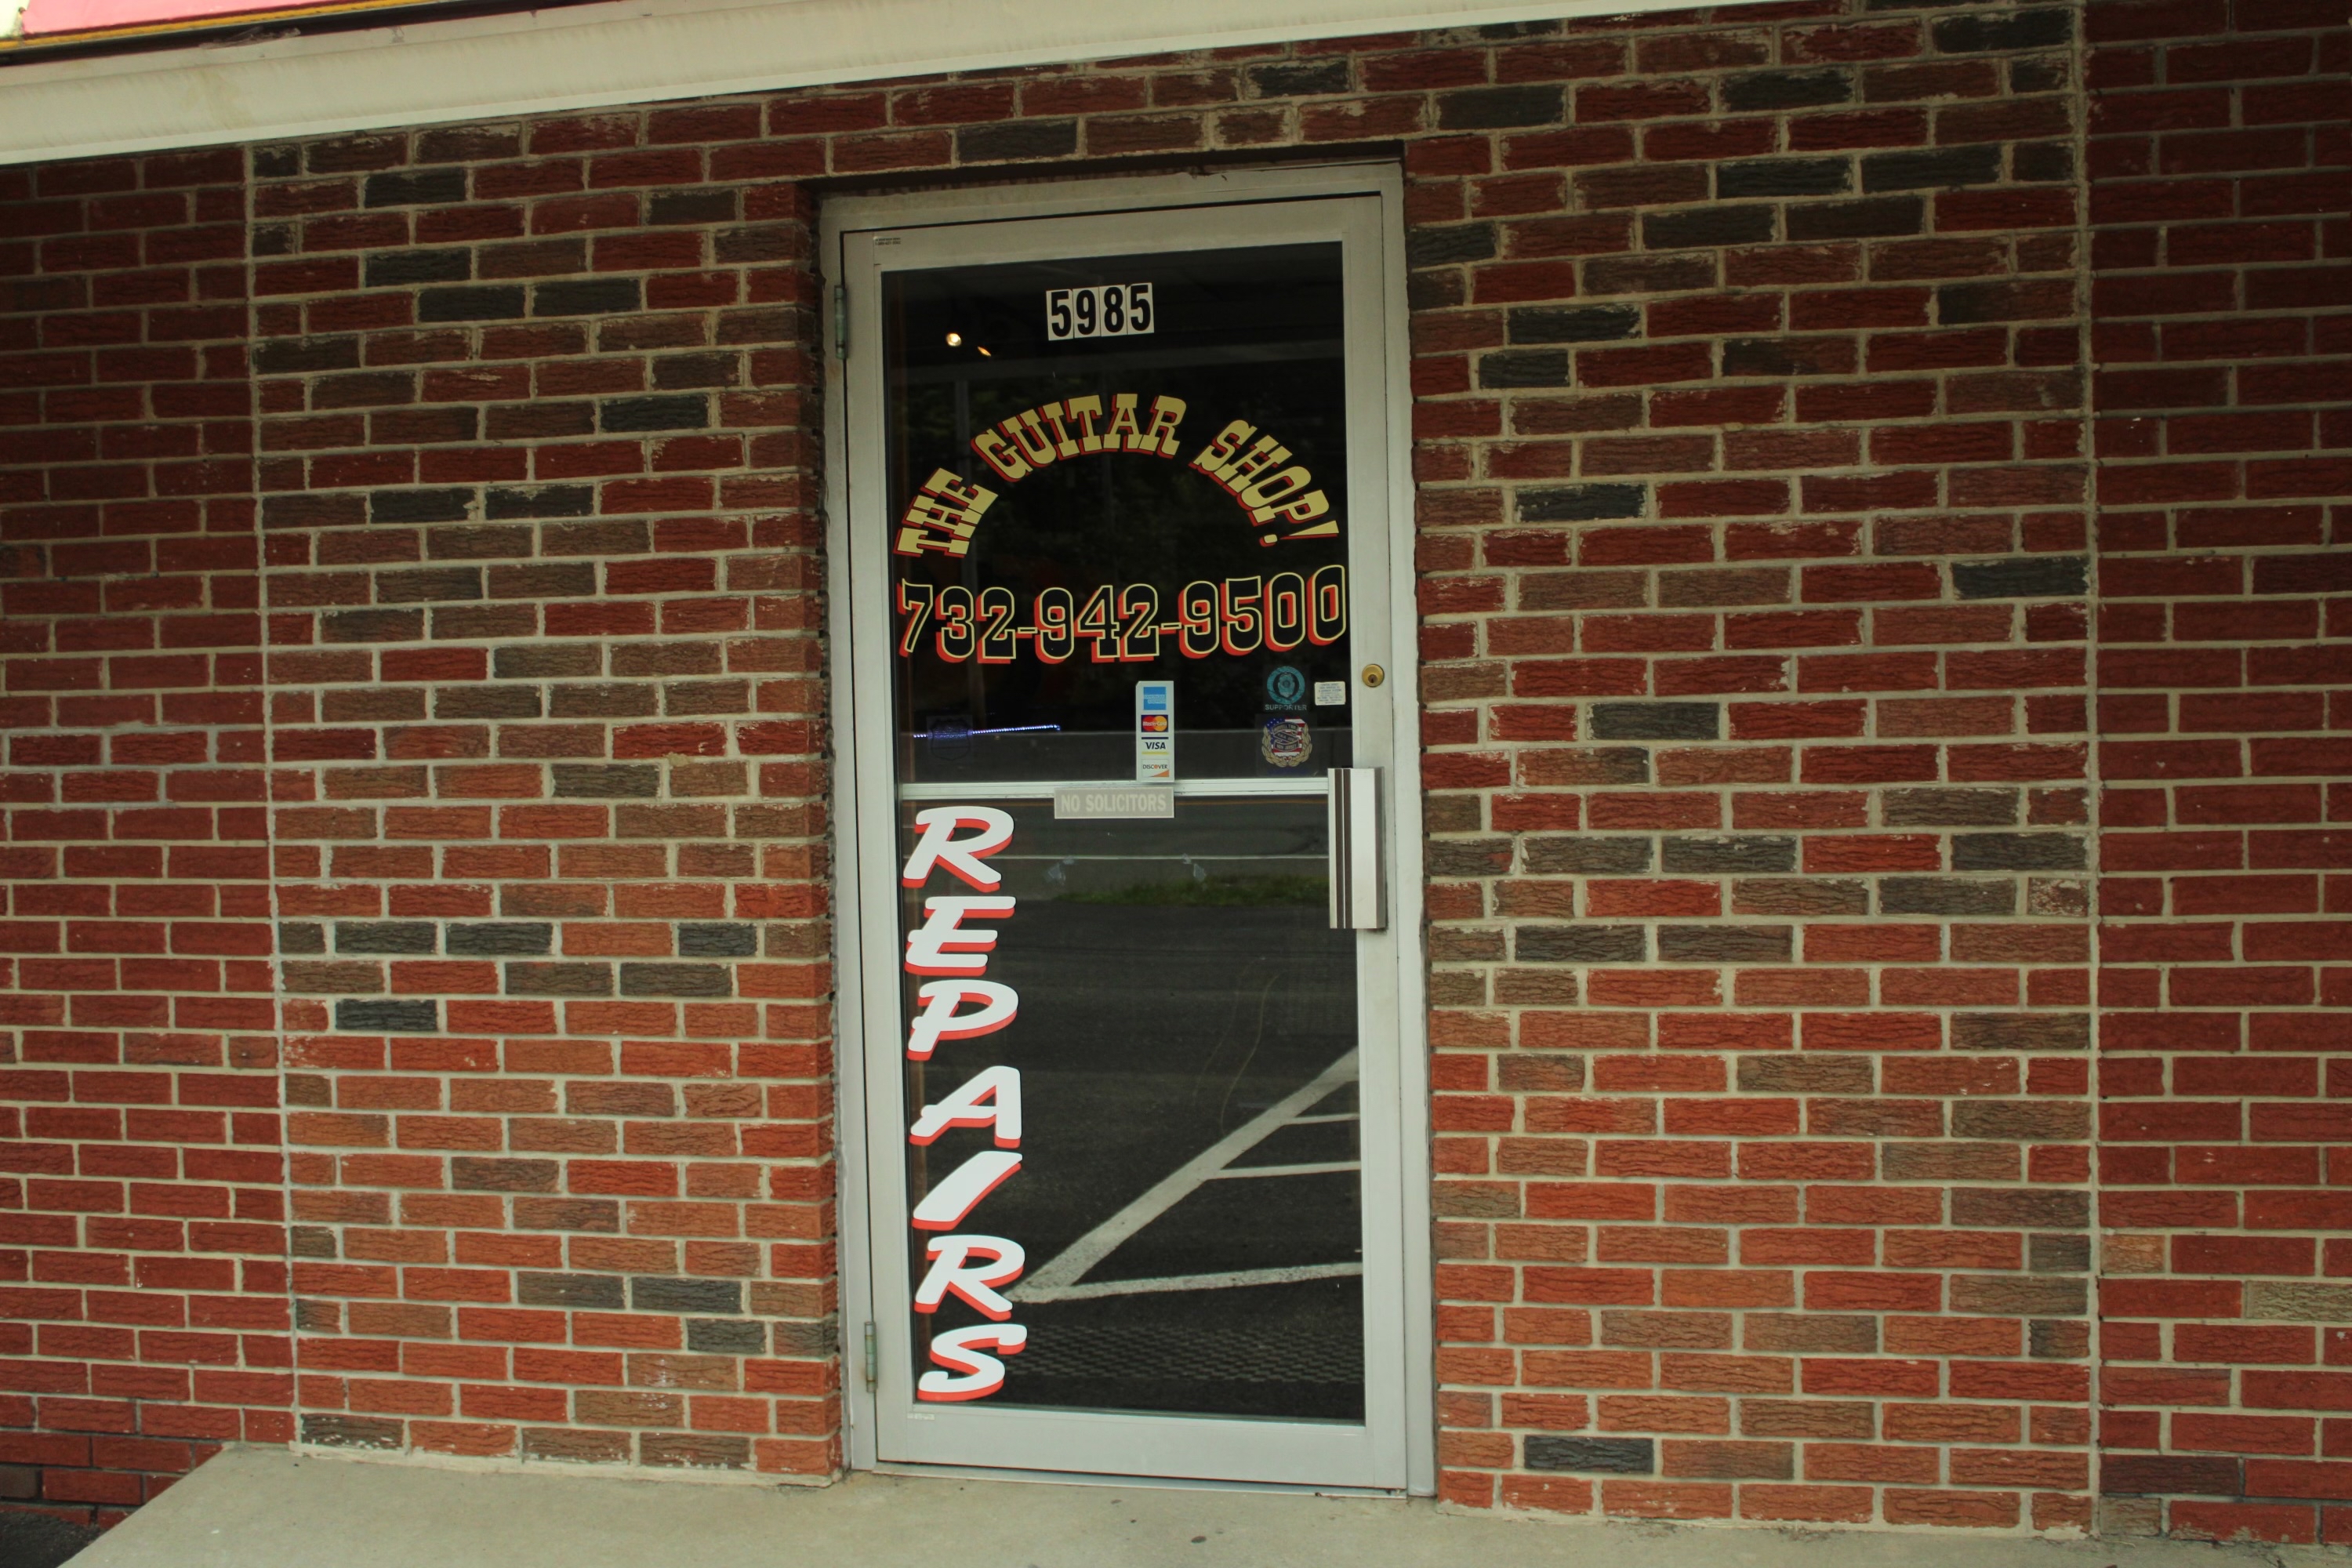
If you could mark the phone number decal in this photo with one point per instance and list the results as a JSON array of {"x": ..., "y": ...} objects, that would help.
[{"x": 1121, "y": 623}]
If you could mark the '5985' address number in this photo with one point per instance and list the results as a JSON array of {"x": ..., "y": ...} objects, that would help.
[{"x": 1106, "y": 310}]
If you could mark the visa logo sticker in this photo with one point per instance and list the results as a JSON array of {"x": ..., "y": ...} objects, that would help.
[{"x": 1155, "y": 732}]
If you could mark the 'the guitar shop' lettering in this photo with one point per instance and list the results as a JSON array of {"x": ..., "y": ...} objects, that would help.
[
  {"x": 943, "y": 516},
  {"x": 1282, "y": 497},
  {"x": 1247, "y": 463},
  {"x": 969, "y": 1267},
  {"x": 945, "y": 513},
  {"x": 1051, "y": 432}
]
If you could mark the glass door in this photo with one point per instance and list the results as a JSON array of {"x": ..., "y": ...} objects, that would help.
[{"x": 1120, "y": 565}]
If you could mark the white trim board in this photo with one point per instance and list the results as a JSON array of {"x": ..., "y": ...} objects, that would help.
[{"x": 642, "y": 51}]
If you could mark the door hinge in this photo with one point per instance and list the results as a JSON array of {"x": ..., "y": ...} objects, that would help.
[
  {"x": 871, "y": 1365},
  {"x": 841, "y": 321}
]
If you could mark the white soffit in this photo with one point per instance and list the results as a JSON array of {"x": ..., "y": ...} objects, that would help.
[{"x": 641, "y": 51}]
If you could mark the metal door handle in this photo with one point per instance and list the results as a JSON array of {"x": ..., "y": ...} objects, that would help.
[{"x": 1358, "y": 885}]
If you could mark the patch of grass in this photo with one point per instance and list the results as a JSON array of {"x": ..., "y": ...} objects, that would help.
[{"x": 1217, "y": 892}]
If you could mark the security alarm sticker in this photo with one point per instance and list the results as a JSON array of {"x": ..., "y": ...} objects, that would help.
[
  {"x": 1284, "y": 741},
  {"x": 1155, "y": 732},
  {"x": 965, "y": 1265}
]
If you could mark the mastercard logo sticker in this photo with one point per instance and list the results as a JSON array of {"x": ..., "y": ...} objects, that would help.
[{"x": 1154, "y": 723}]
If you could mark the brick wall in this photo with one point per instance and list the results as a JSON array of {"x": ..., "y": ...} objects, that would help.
[
  {"x": 1756, "y": 670},
  {"x": 2221, "y": 177},
  {"x": 544, "y": 687},
  {"x": 141, "y": 1209},
  {"x": 1754, "y": 516}
]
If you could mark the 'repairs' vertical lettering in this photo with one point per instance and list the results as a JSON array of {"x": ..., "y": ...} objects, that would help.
[{"x": 963, "y": 1266}]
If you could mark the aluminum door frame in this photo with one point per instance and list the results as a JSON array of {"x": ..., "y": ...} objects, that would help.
[{"x": 1360, "y": 203}]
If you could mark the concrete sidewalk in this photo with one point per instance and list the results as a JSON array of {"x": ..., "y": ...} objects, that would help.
[{"x": 269, "y": 1509}]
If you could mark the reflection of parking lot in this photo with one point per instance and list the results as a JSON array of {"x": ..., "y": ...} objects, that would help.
[
  {"x": 987, "y": 755},
  {"x": 1194, "y": 1244},
  {"x": 1188, "y": 1195},
  {"x": 1224, "y": 839}
]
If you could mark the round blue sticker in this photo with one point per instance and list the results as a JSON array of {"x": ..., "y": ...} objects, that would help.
[{"x": 1286, "y": 686}]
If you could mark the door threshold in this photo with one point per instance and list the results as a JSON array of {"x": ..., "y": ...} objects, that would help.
[{"x": 1089, "y": 1479}]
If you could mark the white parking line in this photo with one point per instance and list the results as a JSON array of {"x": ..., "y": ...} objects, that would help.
[
  {"x": 1059, "y": 1280},
  {"x": 1189, "y": 1283}
]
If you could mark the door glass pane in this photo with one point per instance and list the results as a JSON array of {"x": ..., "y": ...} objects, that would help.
[
  {"x": 1202, "y": 540},
  {"x": 1172, "y": 1011},
  {"x": 1187, "y": 1199}
]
